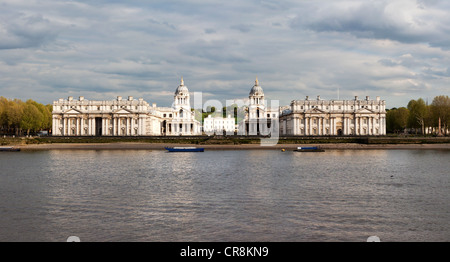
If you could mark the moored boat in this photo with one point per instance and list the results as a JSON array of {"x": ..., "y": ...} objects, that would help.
[
  {"x": 9, "y": 149},
  {"x": 184, "y": 149},
  {"x": 309, "y": 149}
]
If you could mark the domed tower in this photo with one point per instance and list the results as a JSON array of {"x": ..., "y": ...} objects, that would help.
[
  {"x": 255, "y": 121},
  {"x": 181, "y": 101},
  {"x": 257, "y": 103},
  {"x": 256, "y": 94}
]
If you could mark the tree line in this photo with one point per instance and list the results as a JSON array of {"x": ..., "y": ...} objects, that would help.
[
  {"x": 420, "y": 118},
  {"x": 24, "y": 118},
  {"x": 29, "y": 117}
]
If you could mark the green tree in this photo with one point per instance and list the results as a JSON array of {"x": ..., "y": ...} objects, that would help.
[
  {"x": 418, "y": 113},
  {"x": 13, "y": 116},
  {"x": 32, "y": 118},
  {"x": 397, "y": 119},
  {"x": 440, "y": 110}
]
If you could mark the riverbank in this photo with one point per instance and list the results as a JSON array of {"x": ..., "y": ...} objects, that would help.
[
  {"x": 226, "y": 142},
  {"x": 159, "y": 146}
]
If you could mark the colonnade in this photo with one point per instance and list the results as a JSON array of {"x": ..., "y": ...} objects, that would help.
[
  {"x": 98, "y": 125},
  {"x": 325, "y": 125}
]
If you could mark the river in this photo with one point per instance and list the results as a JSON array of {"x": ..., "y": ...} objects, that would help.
[{"x": 225, "y": 195}]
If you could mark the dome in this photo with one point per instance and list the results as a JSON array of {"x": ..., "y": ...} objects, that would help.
[
  {"x": 182, "y": 89},
  {"x": 256, "y": 89}
]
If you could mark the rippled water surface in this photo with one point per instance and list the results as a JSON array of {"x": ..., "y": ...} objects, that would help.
[{"x": 242, "y": 195}]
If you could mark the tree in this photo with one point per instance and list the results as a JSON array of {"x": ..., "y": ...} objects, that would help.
[
  {"x": 440, "y": 110},
  {"x": 32, "y": 118},
  {"x": 418, "y": 113},
  {"x": 13, "y": 115},
  {"x": 396, "y": 119}
]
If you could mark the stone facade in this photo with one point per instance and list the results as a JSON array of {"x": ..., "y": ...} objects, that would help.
[
  {"x": 131, "y": 117},
  {"x": 334, "y": 117},
  {"x": 124, "y": 117},
  {"x": 259, "y": 118},
  {"x": 218, "y": 125}
]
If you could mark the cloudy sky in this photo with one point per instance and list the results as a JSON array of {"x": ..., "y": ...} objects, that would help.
[{"x": 396, "y": 49}]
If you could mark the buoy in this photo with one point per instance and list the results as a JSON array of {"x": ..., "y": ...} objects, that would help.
[{"x": 282, "y": 150}]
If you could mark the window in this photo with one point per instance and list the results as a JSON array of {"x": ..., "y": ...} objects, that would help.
[
  {"x": 268, "y": 115},
  {"x": 164, "y": 115}
]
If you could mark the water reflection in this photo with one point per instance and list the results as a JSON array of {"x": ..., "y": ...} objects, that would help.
[{"x": 245, "y": 195}]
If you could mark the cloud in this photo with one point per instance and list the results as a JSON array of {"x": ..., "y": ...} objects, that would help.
[
  {"x": 401, "y": 20},
  {"x": 24, "y": 31},
  {"x": 296, "y": 48}
]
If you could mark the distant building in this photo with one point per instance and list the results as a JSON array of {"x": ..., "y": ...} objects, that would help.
[
  {"x": 131, "y": 117},
  {"x": 183, "y": 120},
  {"x": 218, "y": 125},
  {"x": 334, "y": 117},
  {"x": 259, "y": 117},
  {"x": 124, "y": 117}
]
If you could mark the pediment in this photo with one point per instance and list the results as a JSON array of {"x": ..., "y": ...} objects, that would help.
[
  {"x": 364, "y": 111},
  {"x": 315, "y": 111},
  {"x": 123, "y": 111},
  {"x": 72, "y": 111}
]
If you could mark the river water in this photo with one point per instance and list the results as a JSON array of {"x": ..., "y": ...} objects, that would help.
[{"x": 225, "y": 195}]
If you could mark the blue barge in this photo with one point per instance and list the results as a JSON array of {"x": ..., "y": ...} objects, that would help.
[{"x": 184, "y": 149}]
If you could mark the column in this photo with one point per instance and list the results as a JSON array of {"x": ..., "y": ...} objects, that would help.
[
  {"x": 63, "y": 132},
  {"x": 54, "y": 127},
  {"x": 76, "y": 126},
  {"x": 69, "y": 126},
  {"x": 92, "y": 126},
  {"x": 141, "y": 130},
  {"x": 106, "y": 132},
  {"x": 119, "y": 126},
  {"x": 295, "y": 125},
  {"x": 319, "y": 125},
  {"x": 113, "y": 130},
  {"x": 333, "y": 127},
  {"x": 360, "y": 125},
  {"x": 344, "y": 128},
  {"x": 82, "y": 126}
]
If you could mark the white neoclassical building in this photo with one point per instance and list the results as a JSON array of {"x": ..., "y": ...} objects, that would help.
[
  {"x": 135, "y": 117},
  {"x": 259, "y": 118},
  {"x": 219, "y": 125},
  {"x": 124, "y": 117},
  {"x": 334, "y": 117},
  {"x": 119, "y": 117},
  {"x": 182, "y": 120}
]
